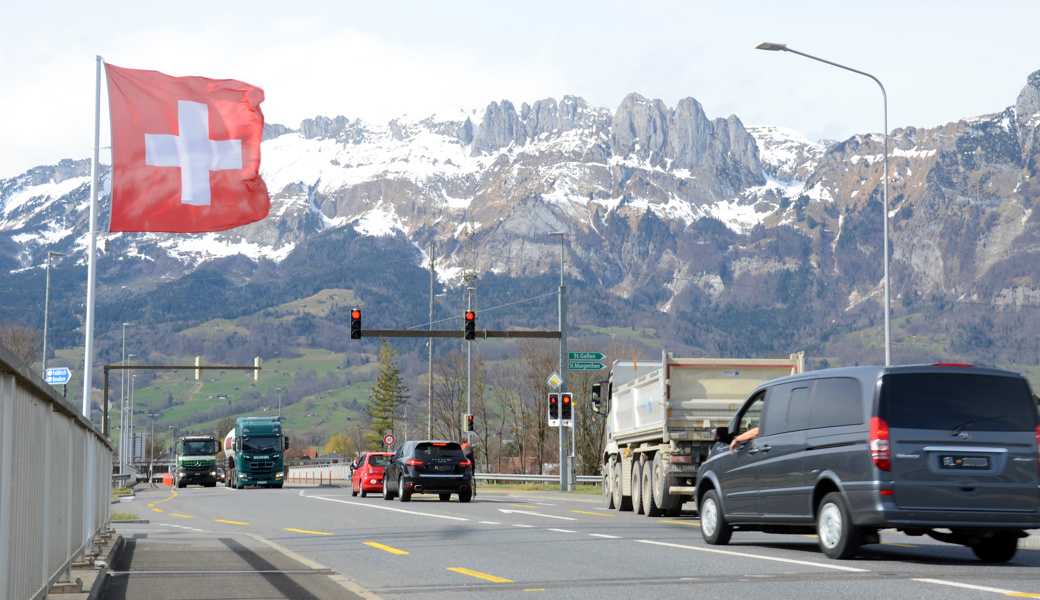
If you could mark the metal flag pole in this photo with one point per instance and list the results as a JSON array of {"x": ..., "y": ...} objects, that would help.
[{"x": 88, "y": 354}]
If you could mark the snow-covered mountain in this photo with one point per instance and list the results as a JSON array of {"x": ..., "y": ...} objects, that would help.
[{"x": 704, "y": 222}]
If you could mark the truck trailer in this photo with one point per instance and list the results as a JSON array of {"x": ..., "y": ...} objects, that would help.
[
  {"x": 255, "y": 451},
  {"x": 661, "y": 419}
]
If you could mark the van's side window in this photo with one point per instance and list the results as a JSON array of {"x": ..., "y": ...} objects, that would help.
[
  {"x": 787, "y": 408},
  {"x": 836, "y": 402},
  {"x": 752, "y": 416},
  {"x": 798, "y": 409}
]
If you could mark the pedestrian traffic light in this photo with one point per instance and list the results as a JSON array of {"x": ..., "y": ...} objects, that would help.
[
  {"x": 565, "y": 406},
  {"x": 471, "y": 325},
  {"x": 355, "y": 324},
  {"x": 467, "y": 422},
  {"x": 554, "y": 407}
]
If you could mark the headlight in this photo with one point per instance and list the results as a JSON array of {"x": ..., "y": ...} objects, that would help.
[
  {"x": 278, "y": 475},
  {"x": 213, "y": 473}
]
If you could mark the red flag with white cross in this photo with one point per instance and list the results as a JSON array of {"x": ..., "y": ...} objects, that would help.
[{"x": 185, "y": 152}]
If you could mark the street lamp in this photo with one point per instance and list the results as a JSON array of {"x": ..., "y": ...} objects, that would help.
[
  {"x": 151, "y": 450},
  {"x": 279, "y": 390},
  {"x": 884, "y": 97},
  {"x": 565, "y": 483},
  {"x": 122, "y": 403},
  {"x": 46, "y": 307}
]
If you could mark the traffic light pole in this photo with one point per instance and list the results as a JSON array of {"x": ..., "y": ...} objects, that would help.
[{"x": 565, "y": 473}]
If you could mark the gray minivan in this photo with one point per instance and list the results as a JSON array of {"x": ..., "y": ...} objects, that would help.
[{"x": 948, "y": 451}]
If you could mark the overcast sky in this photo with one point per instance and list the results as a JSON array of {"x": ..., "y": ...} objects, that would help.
[{"x": 940, "y": 60}]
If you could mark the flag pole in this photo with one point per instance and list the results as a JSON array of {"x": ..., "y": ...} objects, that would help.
[{"x": 88, "y": 354}]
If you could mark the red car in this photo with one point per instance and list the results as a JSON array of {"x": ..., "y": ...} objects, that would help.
[{"x": 368, "y": 474}]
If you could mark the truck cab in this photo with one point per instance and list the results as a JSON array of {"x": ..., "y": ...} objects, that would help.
[
  {"x": 196, "y": 461},
  {"x": 256, "y": 453}
]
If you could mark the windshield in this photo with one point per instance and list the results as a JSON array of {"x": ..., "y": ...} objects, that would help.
[
  {"x": 439, "y": 450},
  {"x": 957, "y": 401},
  {"x": 376, "y": 460},
  {"x": 198, "y": 448},
  {"x": 261, "y": 443}
]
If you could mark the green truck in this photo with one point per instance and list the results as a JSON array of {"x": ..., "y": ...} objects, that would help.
[
  {"x": 255, "y": 451},
  {"x": 196, "y": 461}
]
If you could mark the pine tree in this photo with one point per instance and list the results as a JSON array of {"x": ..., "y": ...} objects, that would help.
[{"x": 388, "y": 395}]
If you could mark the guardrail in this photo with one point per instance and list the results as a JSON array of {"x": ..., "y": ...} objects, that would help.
[
  {"x": 340, "y": 472},
  {"x": 54, "y": 483}
]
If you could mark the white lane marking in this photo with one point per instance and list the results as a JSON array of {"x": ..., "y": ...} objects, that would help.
[
  {"x": 605, "y": 536},
  {"x": 524, "y": 526},
  {"x": 400, "y": 510},
  {"x": 489, "y": 522},
  {"x": 563, "y": 530},
  {"x": 759, "y": 556},
  {"x": 534, "y": 514},
  {"x": 968, "y": 586}
]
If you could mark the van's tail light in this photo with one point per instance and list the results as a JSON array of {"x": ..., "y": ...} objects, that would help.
[
  {"x": 1038, "y": 446},
  {"x": 880, "y": 449},
  {"x": 411, "y": 462}
]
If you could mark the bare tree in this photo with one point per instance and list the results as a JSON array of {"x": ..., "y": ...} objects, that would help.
[
  {"x": 540, "y": 358},
  {"x": 517, "y": 414},
  {"x": 449, "y": 396},
  {"x": 23, "y": 341}
]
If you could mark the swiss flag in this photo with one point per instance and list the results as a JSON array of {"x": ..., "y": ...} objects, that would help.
[{"x": 185, "y": 152}]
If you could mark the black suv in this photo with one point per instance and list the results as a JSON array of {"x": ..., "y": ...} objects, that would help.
[
  {"x": 428, "y": 467},
  {"x": 948, "y": 451}
]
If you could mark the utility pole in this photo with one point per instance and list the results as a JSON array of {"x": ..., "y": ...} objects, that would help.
[
  {"x": 565, "y": 475},
  {"x": 429, "y": 391}
]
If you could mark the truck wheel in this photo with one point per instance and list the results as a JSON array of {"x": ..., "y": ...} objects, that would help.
[
  {"x": 621, "y": 502},
  {"x": 650, "y": 507},
  {"x": 608, "y": 494},
  {"x": 637, "y": 487},
  {"x": 668, "y": 503},
  {"x": 714, "y": 528},
  {"x": 839, "y": 537},
  {"x": 406, "y": 495}
]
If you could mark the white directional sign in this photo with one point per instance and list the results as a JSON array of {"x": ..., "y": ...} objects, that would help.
[{"x": 58, "y": 376}]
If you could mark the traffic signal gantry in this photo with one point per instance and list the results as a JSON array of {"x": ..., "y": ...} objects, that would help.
[{"x": 468, "y": 332}]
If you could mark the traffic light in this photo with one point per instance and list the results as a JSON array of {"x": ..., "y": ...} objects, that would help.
[
  {"x": 565, "y": 406},
  {"x": 355, "y": 324},
  {"x": 554, "y": 407},
  {"x": 471, "y": 325},
  {"x": 467, "y": 422}
]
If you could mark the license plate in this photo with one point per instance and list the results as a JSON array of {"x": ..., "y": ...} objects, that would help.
[
  {"x": 441, "y": 468},
  {"x": 961, "y": 462}
]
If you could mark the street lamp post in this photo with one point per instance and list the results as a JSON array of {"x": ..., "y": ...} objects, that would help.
[
  {"x": 884, "y": 97},
  {"x": 122, "y": 406},
  {"x": 565, "y": 479},
  {"x": 279, "y": 390},
  {"x": 133, "y": 442},
  {"x": 151, "y": 451},
  {"x": 46, "y": 307}
]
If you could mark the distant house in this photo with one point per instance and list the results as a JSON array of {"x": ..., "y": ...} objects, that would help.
[{"x": 221, "y": 396}]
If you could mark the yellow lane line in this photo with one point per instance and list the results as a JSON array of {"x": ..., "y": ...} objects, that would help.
[
  {"x": 535, "y": 590},
  {"x": 170, "y": 498},
  {"x": 585, "y": 512},
  {"x": 387, "y": 548},
  {"x": 523, "y": 505},
  {"x": 305, "y": 531},
  {"x": 900, "y": 545},
  {"x": 480, "y": 575},
  {"x": 181, "y": 516},
  {"x": 157, "y": 509},
  {"x": 232, "y": 522},
  {"x": 682, "y": 523}
]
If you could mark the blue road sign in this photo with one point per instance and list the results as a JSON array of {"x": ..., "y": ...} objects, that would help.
[{"x": 58, "y": 376}]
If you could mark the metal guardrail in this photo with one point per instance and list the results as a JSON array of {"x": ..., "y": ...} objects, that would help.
[
  {"x": 54, "y": 483},
  {"x": 341, "y": 472}
]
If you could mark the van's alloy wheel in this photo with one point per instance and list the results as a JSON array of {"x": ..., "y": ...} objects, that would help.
[
  {"x": 714, "y": 528},
  {"x": 839, "y": 538}
]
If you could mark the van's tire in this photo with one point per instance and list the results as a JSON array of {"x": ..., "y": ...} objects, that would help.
[
  {"x": 714, "y": 528},
  {"x": 650, "y": 507},
  {"x": 621, "y": 501},
  {"x": 406, "y": 495},
  {"x": 839, "y": 538},
  {"x": 637, "y": 487},
  {"x": 668, "y": 503},
  {"x": 387, "y": 494},
  {"x": 998, "y": 549},
  {"x": 608, "y": 492}
]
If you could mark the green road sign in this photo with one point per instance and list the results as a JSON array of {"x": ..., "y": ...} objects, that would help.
[
  {"x": 585, "y": 366},
  {"x": 585, "y": 356}
]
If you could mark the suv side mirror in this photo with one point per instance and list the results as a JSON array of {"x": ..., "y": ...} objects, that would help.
[{"x": 722, "y": 435}]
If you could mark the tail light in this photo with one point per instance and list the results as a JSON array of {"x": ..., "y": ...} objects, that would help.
[
  {"x": 466, "y": 464},
  {"x": 411, "y": 462},
  {"x": 880, "y": 449},
  {"x": 1038, "y": 446}
]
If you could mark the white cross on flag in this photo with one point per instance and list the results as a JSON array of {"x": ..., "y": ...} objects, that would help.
[{"x": 185, "y": 152}]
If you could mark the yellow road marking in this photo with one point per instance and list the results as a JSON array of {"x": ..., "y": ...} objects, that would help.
[
  {"x": 900, "y": 545},
  {"x": 232, "y": 522},
  {"x": 181, "y": 516},
  {"x": 167, "y": 499},
  {"x": 305, "y": 531},
  {"x": 535, "y": 590},
  {"x": 523, "y": 506},
  {"x": 1023, "y": 595},
  {"x": 387, "y": 548},
  {"x": 157, "y": 509},
  {"x": 585, "y": 512},
  {"x": 682, "y": 523},
  {"x": 480, "y": 575}
]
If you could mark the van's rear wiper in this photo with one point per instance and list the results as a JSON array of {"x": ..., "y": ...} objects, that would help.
[{"x": 957, "y": 429}]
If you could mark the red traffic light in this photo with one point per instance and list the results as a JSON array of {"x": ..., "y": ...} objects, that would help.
[
  {"x": 355, "y": 314},
  {"x": 470, "y": 315}
]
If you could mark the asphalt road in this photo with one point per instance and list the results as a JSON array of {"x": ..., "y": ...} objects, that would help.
[{"x": 552, "y": 545}]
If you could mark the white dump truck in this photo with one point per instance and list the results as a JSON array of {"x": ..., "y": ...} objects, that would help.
[{"x": 661, "y": 420}]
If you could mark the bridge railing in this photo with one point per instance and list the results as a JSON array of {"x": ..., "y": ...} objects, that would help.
[{"x": 54, "y": 492}]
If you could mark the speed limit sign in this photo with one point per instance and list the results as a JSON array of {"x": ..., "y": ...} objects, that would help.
[{"x": 388, "y": 439}]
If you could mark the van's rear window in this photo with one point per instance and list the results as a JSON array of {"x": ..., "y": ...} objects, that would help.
[{"x": 951, "y": 400}]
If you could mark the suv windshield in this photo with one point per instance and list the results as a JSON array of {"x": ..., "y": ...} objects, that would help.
[{"x": 957, "y": 400}]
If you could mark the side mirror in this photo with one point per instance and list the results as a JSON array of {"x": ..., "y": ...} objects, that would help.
[
  {"x": 722, "y": 435},
  {"x": 285, "y": 444}
]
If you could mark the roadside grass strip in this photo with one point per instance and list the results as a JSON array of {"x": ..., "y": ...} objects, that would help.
[
  {"x": 379, "y": 546},
  {"x": 479, "y": 575},
  {"x": 310, "y": 532}
]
